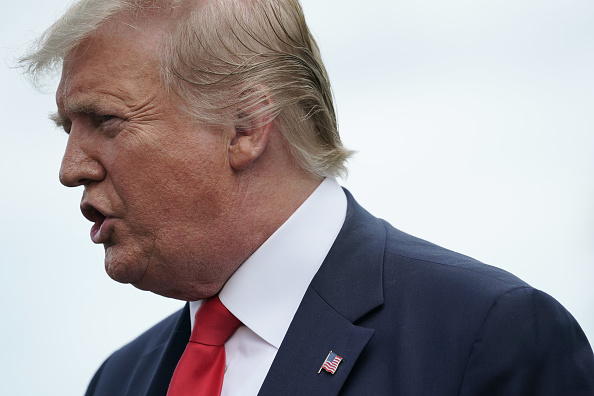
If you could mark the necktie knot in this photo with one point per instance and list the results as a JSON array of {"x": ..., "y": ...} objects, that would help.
[{"x": 214, "y": 323}]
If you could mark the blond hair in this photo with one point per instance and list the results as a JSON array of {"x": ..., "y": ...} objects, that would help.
[{"x": 245, "y": 60}]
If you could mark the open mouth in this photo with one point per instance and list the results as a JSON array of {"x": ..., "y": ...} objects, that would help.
[
  {"x": 95, "y": 216},
  {"x": 92, "y": 214}
]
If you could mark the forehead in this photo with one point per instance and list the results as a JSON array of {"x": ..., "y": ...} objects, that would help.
[{"x": 120, "y": 56}]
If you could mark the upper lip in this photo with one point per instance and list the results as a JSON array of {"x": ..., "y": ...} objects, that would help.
[{"x": 91, "y": 213}]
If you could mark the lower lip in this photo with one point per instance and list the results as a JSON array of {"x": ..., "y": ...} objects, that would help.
[{"x": 99, "y": 232}]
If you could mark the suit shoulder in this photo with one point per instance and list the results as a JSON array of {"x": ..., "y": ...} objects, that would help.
[{"x": 413, "y": 255}]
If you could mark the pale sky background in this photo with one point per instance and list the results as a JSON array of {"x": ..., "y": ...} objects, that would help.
[{"x": 474, "y": 124}]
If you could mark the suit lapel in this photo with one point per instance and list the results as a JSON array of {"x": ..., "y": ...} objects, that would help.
[
  {"x": 347, "y": 287},
  {"x": 316, "y": 329},
  {"x": 155, "y": 368}
]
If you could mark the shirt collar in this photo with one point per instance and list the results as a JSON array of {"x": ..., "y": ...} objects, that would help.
[{"x": 266, "y": 290}]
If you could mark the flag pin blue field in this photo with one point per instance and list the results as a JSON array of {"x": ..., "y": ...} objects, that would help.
[{"x": 331, "y": 363}]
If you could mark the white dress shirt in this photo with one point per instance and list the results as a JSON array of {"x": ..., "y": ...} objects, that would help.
[{"x": 266, "y": 290}]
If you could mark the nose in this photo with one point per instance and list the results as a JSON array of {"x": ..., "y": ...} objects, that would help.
[{"x": 80, "y": 164}]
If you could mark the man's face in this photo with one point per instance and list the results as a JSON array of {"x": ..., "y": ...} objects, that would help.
[{"x": 157, "y": 186}]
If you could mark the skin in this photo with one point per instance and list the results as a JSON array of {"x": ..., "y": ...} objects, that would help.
[{"x": 179, "y": 205}]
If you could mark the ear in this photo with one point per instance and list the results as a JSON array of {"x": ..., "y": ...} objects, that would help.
[{"x": 252, "y": 131}]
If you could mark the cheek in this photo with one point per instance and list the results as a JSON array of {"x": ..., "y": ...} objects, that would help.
[
  {"x": 141, "y": 181},
  {"x": 184, "y": 191},
  {"x": 175, "y": 204}
]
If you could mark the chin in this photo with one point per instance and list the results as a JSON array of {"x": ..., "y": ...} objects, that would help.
[{"x": 124, "y": 269}]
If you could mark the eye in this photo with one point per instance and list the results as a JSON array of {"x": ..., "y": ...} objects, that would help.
[
  {"x": 101, "y": 119},
  {"x": 107, "y": 123}
]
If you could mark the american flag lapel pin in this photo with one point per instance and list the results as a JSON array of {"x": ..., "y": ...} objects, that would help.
[{"x": 331, "y": 363}]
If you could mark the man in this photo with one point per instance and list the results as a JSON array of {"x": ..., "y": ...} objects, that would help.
[{"x": 204, "y": 135}]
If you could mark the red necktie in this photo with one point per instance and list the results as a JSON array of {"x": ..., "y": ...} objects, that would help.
[{"x": 202, "y": 366}]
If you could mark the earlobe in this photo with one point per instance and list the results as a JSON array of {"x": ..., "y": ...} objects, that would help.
[{"x": 252, "y": 134}]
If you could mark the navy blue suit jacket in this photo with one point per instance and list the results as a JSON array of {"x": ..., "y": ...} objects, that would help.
[{"x": 407, "y": 317}]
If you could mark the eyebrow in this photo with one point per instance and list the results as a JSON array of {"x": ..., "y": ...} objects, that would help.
[{"x": 75, "y": 108}]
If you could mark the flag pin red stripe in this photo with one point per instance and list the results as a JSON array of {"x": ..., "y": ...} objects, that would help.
[{"x": 330, "y": 363}]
